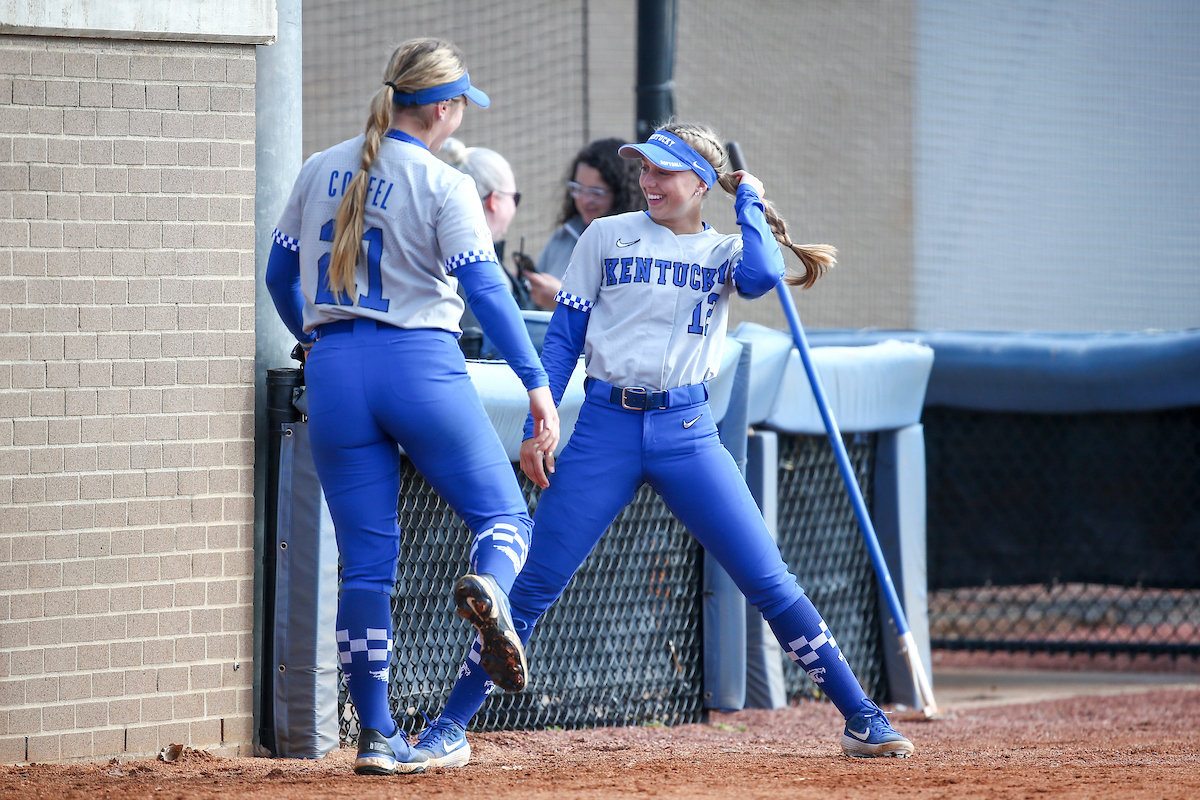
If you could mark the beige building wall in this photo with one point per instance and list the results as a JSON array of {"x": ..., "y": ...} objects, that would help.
[
  {"x": 126, "y": 397},
  {"x": 819, "y": 94}
]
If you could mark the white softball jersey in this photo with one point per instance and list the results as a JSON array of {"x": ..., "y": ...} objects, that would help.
[
  {"x": 658, "y": 302},
  {"x": 422, "y": 220}
]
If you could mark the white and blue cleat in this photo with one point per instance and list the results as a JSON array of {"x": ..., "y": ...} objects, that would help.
[
  {"x": 387, "y": 755},
  {"x": 868, "y": 734},
  {"x": 444, "y": 744}
]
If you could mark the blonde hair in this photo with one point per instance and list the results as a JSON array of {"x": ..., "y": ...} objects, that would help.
[
  {"x": 417, "y": 64},
  {"x": 816, "y": 258},
  {"x": 488, "y": 168}
]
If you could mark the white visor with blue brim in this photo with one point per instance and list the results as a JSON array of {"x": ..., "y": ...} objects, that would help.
[
  {"x": 671, "y": 153},
  {"x": 446, "y": 91}
]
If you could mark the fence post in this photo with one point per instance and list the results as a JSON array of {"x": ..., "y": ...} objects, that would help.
[
  {"x": 724, "y": 605},
  {"x": 899, "y": 511},
  {"x": 280, "y": 412},
  {"x": 764, "y": 656}
]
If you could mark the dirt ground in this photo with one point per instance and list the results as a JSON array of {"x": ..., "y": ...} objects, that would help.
[{"x": 1144, "y": 745}]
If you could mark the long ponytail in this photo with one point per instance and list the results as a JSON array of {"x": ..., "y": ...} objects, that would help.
[
  {"x": 816, "y": 258},
  {"x": 417, "y": 64}
]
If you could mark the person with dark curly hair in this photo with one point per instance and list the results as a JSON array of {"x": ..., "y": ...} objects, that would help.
[{"x": 599, "y": 183}]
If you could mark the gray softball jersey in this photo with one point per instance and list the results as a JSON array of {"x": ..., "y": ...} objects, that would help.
[
  {"x": 658, "y": 302},
  {"x": 423, "y": 219}
]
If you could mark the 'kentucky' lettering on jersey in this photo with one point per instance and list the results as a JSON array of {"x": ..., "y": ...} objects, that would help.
[{"x": 636, "y": 269}]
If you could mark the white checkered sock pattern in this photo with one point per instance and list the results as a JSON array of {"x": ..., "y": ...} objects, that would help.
[
  {"x": 476, "y": 648},
  {"x": 805, "y": 650},
  {"x": 503, "y": 538},
  {"x": 376, "y": 647}
]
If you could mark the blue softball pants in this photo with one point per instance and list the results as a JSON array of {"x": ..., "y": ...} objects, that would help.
[
  {"x": 678, "y": 452},
  {"x": 371, "y": 388}
]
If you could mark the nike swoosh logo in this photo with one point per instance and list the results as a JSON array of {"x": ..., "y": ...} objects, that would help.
[
  {"x": 627, "y": 244},
  {"x": 861, "y": 736},
  {"x": 696, "y": 164},
  {"x": 456, "y": 746},
  {"x": 693, "y": 422}
]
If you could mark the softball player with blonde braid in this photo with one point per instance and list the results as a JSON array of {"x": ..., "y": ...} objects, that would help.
[
  {"x": 645, "y": 300},
  {"x": 374, "y": 240}
]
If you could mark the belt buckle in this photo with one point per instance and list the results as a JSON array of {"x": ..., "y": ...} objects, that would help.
[{"x": 638, "y": 391}]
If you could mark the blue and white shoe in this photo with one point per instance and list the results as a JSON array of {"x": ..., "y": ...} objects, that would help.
[
  {"x": 444, "y": 744},
  {"x": 481, "y": 602},
  {"x": 387, "y": 755},
  {"x": 868, "y": 734}
]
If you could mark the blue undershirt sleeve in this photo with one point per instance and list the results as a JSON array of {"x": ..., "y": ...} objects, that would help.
[
  {"x": 560, "y": 352},
  {"x": 498, "y": 315},
  {"x": 761, "y": 267},
  {"x": 283, "y": 284}
]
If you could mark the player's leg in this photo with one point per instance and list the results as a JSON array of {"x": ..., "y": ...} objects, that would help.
[
  {"x": 594, "y": 479},
  {"x": 433, "y": 410},
  {"x": 358, "y": 467},
  {"x": 701, "y": 484}
]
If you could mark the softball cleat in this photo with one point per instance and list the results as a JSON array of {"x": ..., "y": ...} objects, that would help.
[
  {"x": 481, "y": 602},
  {"x": 444, "y": 744},
  {"x": 868, "y": 734},
  {"x": 387, "y": 755}
]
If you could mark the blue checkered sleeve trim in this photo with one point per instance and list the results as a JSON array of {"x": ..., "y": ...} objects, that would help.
[
  {"x": 469, "y": 257},
  {"x": 578, "y": 303},
  {"x": 286, "y": 241}
]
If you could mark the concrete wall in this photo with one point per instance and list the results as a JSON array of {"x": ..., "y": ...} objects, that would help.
[{"x": 127, "y": 181}]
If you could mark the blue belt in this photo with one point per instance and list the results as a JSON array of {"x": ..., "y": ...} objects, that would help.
[
  {"x": 347, "y": 326},
  {"x": 639, "y": 398}
]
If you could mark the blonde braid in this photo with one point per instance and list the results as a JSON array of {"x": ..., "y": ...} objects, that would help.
[
  {"x": 347, "y": 241},
  {"x": 816, "y": 258},
  {"x": 417, "y": 64}
]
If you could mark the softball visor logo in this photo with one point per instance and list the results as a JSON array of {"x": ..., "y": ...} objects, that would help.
[{"x": 673, "y": 154}]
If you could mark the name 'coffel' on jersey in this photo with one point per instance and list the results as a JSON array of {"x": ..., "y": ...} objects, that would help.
[
  {"x": 404, "y": 276},
  {"x": 658, "y": 302}
]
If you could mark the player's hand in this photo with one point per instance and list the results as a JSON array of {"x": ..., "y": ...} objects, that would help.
[
  {"x": 543, "y": 288},
  {"x": 545, "y": 437},
  {"x": 751, "y": 181},
  {"x": 535, "y": 463}
]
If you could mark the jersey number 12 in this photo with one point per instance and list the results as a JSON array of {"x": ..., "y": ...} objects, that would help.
[{"x": 373, "y": 299}]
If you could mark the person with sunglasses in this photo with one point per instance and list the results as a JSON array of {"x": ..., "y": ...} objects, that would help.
[
  {"x": 599, "y": 183},
  {"x": 498, "y": 192}
]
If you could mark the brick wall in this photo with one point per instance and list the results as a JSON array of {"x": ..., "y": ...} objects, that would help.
[{"x": 126, "y": 397}]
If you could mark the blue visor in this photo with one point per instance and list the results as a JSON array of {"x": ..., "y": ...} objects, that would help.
[
  {"x": 671, "y": 153},
  {"x": 446, "y": 91}
]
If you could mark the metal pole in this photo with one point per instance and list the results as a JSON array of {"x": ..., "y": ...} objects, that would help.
[
  {"x": 278, "y": 156},
  {"x": 655, "y": 64}
]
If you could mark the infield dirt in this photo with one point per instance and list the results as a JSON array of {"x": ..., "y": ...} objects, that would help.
[{"x": 1133, "y": 745}]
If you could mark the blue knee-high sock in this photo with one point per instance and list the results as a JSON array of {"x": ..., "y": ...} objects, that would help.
[
  {"x": 364, "y": 637},
  {"x": 473, "y": 684},
  {"x": 500, "y": 549},
  {"x": 809, "y": 643}
]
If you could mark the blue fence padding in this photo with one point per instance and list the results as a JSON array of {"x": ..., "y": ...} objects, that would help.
[
  {"x": 872, "y": 388},
  {"x": 1050, "y": 372},
  {"x": 507, "y": 402}
]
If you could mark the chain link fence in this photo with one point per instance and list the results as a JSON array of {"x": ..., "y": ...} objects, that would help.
[
  {"x": 621, "y": 647},
  {"x": 1076, "y": 533},
  {"x": 624, "y": 646},
  {"x": 820, "y": 540}
]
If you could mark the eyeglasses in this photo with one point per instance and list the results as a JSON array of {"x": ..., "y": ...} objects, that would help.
[
  {"x": 579, "y": 191},
  {"x": 516, "y": 196}
]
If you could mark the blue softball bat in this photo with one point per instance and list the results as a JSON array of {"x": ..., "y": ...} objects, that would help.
[{"x": 908, "y": 646}]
